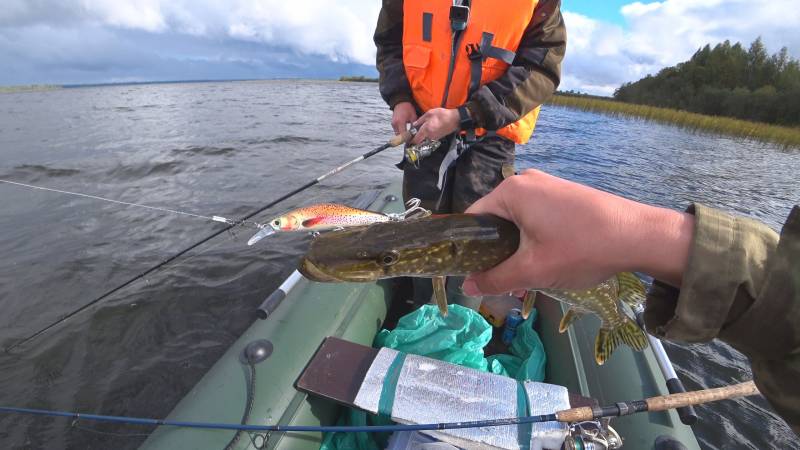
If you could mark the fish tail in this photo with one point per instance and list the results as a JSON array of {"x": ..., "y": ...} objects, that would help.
[{"x": 608, "y": 339}]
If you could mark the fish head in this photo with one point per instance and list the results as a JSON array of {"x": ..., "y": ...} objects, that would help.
[{"x": 357, "y": 254}]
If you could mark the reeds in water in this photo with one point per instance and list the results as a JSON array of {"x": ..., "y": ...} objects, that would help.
[{"x": 788, "y": 137}]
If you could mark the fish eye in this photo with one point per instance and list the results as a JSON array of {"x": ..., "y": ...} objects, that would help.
[
  {"x": 277, "y": 222},
  {"x": 388, "y": 258}
]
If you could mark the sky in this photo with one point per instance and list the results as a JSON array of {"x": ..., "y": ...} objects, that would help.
[{"x": 104, "y": 41}]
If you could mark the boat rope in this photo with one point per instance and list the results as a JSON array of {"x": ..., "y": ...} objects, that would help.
[
  {"x": 229, "y": 224},
  {"x": 248, "y": 407}
]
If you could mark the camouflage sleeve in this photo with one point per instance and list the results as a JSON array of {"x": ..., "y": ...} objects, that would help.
[
  {"x": 531, "y": 79},
  {"x": 742, "y": 285},
  {"x": 393, "y": 83}
]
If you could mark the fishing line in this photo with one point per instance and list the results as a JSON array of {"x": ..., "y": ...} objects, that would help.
[
  {"x": 138, "y": 205},
  {"x": 229, "y": 224}
]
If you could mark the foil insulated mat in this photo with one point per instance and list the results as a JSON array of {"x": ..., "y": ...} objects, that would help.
[{"x": 432, "y": 391}]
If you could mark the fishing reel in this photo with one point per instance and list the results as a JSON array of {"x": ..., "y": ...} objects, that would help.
[
  {"x": 416, "y": 153},
  {"x": 594, "y": 435}
]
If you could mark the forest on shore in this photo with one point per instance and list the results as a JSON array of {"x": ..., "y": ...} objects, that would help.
[{"x": 726, "y": 80}]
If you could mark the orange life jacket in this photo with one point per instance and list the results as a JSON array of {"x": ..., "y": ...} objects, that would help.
[{"x": 494, "y": 29}]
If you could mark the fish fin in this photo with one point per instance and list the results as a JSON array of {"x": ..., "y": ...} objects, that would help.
[
  {"x": 440, "y": 294},
  {"x": 608, "y": 340},
  {"x": 308, "y": 223},
  {"x": 527, "y": 303},
  {"x": 570, "y": 316},
  {"x": 631, "y": 289}
]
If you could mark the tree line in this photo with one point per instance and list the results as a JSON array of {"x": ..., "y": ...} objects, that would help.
[{"x": 726, "y": 80}]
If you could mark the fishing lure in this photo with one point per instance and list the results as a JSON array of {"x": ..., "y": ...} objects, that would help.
[{"x": 331, "y": 216}]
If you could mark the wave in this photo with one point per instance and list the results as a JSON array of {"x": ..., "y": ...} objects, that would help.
[
  {"x": 137, "y": 171},
  {"x": 35, "y": 172},
  {"x": 284, "y": 139},
  {"x": 203, "y": 150}
]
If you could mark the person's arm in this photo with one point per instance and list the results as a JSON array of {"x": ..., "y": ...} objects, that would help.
[
  {"x": 717, "y": 275},
  {"x": 741, "y": 285},
  {"x": 531, "y": 79},
  {"x": 393, "y": 83}
]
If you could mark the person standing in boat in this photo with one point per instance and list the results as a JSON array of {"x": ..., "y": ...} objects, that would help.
[
  {"x": 470, "y": 73},
  {"x": 473, "y": 74}
]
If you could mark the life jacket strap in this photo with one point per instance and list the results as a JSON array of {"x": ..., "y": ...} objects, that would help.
[{"x": 477, "y": 53}]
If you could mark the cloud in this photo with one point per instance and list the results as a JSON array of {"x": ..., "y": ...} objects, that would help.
[
  {"x": 78, "y": 41},
  {"x": 602, "y": 56},
  {"x": 63, "y": 41}
]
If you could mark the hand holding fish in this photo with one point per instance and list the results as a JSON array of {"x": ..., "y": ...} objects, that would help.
[{"x": 574, "y": 237}]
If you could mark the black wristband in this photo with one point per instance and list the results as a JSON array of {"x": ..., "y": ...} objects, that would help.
[{"x": 465, "y": 119}]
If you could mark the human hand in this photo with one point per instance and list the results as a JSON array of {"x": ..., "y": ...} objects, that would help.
[
  {"x": 403, "y": 114},
  {"x": 574, "y": 237},
  {"x": 436, "y": 124}
]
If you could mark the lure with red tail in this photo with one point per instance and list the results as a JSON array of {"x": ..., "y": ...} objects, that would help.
[{"x": 319, "y": 217}]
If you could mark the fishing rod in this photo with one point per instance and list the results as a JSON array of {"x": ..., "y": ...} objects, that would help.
[
  {"x": 687, "y": 414},
  {"x": 230, "y": 224},
  {"x": 573, "y": 415}
]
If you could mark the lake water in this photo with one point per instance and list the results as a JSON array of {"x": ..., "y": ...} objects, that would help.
[{"x": 227, "y": 149}]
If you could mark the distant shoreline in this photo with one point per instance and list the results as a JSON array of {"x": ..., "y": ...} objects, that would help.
[
  {"x": 764, "y": 132},
  {"x": 359, "y": 79},
  {"x": 29, "y": 88}
]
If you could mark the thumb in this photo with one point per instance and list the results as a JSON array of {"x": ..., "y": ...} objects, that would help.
[{"x": 504, "y": 277}]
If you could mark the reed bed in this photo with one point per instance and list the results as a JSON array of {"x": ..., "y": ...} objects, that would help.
[{"x": 787, "y": 137}]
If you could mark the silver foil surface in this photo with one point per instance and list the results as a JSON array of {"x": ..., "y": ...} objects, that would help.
[{"x": 431, "y": 391}]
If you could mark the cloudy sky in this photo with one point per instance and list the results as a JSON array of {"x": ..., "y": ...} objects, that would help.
[{"x": 99, "y": 41}]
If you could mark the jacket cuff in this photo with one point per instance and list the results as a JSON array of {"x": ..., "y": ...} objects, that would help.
[
  {"x": 726, "y": 264},
  {"x": 473, "y": 108},
  {"x": 400, "y": 98}
]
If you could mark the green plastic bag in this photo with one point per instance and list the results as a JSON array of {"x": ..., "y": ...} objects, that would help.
[{"x": 459, "y": 339}]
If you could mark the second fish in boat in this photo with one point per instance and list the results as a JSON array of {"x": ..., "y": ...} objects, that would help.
[{"x": 460, "y": 244}]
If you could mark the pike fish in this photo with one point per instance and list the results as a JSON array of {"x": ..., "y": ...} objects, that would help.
[
  {"x": 455, "y": 245},
  {"x": 319, "y": 217}
]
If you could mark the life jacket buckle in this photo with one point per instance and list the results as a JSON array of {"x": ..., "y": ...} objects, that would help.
[
  {"x": 474, "y": 52},
  {"x": 459, "y": 17}
]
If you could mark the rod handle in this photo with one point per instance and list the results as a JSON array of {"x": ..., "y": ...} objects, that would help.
[
  {"x": 401, "y": 138},
  {"x": 581, "y": 414},
  {"x": 686, "y": 413},
  {"x": 673, "y": 401}
]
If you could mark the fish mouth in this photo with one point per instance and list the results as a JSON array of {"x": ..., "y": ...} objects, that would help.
[{"x": 310, "y": 270}]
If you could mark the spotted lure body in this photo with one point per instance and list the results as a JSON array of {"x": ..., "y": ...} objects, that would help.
[
  {"x": 320, "y": 217},
  {"x": 455, "y": 245}
]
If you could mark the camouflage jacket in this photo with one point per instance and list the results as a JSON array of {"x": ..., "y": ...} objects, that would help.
[
  {"x": 528, "y": 82},
  {"x": 742, "y": 285}
]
